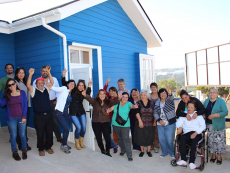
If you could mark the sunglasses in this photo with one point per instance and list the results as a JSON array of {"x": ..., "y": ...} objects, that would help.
[
  {"x": 9, "y": 85},
  {"x": 20, "y": 67},
  {"x": 81, "y": 80}
]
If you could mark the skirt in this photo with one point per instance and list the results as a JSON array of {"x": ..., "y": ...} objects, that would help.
[
  {"x": 216, "y": 140},
  {"x": 144, "y": 136}
]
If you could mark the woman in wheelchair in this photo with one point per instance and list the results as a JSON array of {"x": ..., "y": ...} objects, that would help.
[{"x": 192, "y": 131}]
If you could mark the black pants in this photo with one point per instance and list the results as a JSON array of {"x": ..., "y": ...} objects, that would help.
[
  {"x": 56, "y": 127},
  {"x": 186, "y": 139},
  {"x": 99, "y": 129},
  {"x": 44, "y": 125},
  {"x": 18, "y": 139}
]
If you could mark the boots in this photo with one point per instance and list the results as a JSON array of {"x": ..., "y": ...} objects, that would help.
[
  {"x": 108, "y": 154},
  {"x": 81, "y": 142},
  {"x": 77, "y": 144},
  {"x": 24, "y": 154},
  {"x": 16, "y": 156}
]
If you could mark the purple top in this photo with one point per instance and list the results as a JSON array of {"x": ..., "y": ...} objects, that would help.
[
  {"x": 132, "y": 113},
  {"x": 15, "y": 106}
]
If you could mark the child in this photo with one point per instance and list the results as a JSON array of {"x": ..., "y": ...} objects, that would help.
[{"x": 191, "y": 134}]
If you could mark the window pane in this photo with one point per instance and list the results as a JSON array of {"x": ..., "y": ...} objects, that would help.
[
  {"x": 85, "y": 57},
  {"x": 224, "y": 73},
  {"x": 191, "y": 69},
  {"x": 202, "y": 75},
  {"x": 224, "y": 52},
  {"x": 212, "y": 55},
  {"x": 201, "y": 57},
  {"x": 213, "y": 74},
  {"x": 74, "y": 56}
]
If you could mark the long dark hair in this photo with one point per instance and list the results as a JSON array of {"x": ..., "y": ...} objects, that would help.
[
  {"x": 134, "y": 89},
  {"x": 16, "y": 73},
  {"x": 7, "y": 90},
  {"x": 76, "y": 88},
  {"x": 106, "y": 101}
]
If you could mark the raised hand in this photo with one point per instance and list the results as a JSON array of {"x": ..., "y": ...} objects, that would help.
[
  {"x": 90, "y": 82},
  {"x": 84, "y": 93},
  {"x": 168, "y": 90},
  {"x": 31, "y": 71},
  {"x": 119, "y": 96},
  {"x": 48, "y": 68},
  {"x": 64, "y": 72},
  {"x": 49, "y": 85},
  {"x": 107, "y": 81},
  {"x": 135, "y": 106}
]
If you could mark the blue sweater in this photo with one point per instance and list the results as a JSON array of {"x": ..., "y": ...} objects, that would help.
[
  {"x": 24, "y": 104},
  {"x": 221, "y": 108}
]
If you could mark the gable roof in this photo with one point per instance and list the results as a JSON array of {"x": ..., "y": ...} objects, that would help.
[{"x": 132, "y": 8}]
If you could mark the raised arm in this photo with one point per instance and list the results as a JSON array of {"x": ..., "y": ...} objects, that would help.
[
  {"x": 106, "y": 86},
  {"x": 88, "y": 91},
  {"x": 49, "y": 74},
  {"x": 114, "y": 102},
  {"x": 63, "y": 81},
  {"x": 29, "y": 86}
]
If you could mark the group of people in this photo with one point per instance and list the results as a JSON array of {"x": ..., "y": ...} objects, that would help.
[{"x": 150, "y": 116}]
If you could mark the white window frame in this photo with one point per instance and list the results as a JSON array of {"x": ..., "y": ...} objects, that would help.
[{"x": 143, "y": 57}]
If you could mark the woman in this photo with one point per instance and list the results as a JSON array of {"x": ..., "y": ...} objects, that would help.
[
  {"x": 164, "y": 112},
  {"x": 112, "y": 95},
  {"x": 16, "y": 108},
  {"x": 61, "y": 110},
  {"x": 216, "y": 111},
  {"x": 77, "y": 111},
  {"x": 191, "y": 134},
  {"x": 122, "y": 131},
  {"x": 21, "y": 79},
  {"x": 134, "y": 98},
  {"x": 182, "y": 106},
  {"x": 154, "y": 97},
  {"x": 100, "y": 118},
  {"x": 144, "y": 129}
]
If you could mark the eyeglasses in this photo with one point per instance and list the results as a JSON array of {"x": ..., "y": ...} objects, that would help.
[{"x": 9, "y": 85}]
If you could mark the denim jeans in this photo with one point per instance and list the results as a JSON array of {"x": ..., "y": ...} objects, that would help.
[
  {"x": 166, "y": 136},
  {"x": 80, "y": 124},
  {"x": 12, "y": 124},
  {"x": 64, "y": 120},
  {"x": 112, "y": 142}
]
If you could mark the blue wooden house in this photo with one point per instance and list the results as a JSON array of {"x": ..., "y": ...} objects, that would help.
[{"x": 90, "y": 38}]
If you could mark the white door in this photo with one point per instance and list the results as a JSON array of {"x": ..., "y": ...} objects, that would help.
[
  {"x": 147, "y": 68},
  {"x": 84, "y": 73}
]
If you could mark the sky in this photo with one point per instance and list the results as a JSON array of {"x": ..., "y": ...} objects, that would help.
[{"x": 184, "y": 25}]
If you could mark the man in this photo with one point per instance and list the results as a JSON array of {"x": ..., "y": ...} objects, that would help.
[
  {"x": 52, "y": 96},
  {"x": 42, "y": 112},
  {"x": 9, "y": 68},
  {"x": 121, "y": 87}
]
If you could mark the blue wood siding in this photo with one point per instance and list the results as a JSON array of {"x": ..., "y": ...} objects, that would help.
[
  {"x": 37, "y": 47},
  {"x": 7, "y": 55},
  {"x": 108, "y": 26}
]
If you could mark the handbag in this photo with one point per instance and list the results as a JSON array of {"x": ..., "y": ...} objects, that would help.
[{"x": 119, "y": 119}]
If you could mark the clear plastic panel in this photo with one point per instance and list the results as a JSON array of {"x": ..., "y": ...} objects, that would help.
[
  {"x": 202, "y": 75},
  {"x": 212, "y": 55},
  {"x": 213, "y": 74},
  {"x": 201, "y": 57},
  {"x": 224, "y": 52},
  {"x": 224, "y": 73},
  {"x": 191, "y": 69}
]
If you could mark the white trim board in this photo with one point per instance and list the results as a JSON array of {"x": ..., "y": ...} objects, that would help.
[
  {"x": 99, "y": 59},
  {"x": 131, "y": 7}
]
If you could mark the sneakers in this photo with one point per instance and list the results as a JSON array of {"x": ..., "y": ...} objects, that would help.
[
  {"x": 16, "y": 156},
  {"x": 69, "y": 147},
  {"x": 115, "y": 149},
  {"x": 172, "y": 156},
  {"x": 162, "y": 156},
  {"x": 65, "y": 149},
  {"x": 181, "y": 163},
  {"x": 156, "y": 150},
  {"x": 50, "y": 151},
  {"x": 192, "y": 166},
  {"x": 41, "y": 153}
]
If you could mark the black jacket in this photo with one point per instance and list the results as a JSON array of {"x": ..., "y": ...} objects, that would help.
[
  {"x": 76, "y": 107},
  {"x": 181, "y": 107}
]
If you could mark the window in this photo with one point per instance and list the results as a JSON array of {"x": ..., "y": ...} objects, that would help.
[{"x": 80, "y": 55}]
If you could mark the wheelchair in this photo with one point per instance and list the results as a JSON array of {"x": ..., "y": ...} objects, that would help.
[{"x": 202, "y": 151}]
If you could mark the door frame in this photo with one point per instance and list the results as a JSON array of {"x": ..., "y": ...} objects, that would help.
[{"x": 99, "y": 60}]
